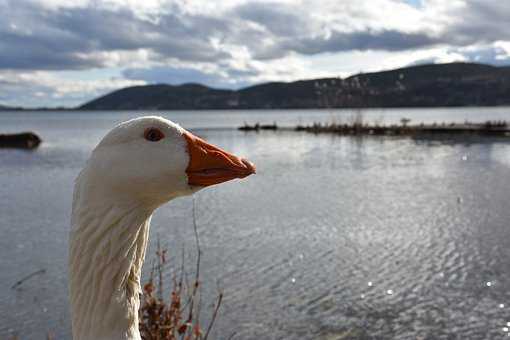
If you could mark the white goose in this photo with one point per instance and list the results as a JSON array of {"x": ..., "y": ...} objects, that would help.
[{"x": 137, "y": 167}]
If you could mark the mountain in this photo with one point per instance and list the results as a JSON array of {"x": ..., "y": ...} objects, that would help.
[
  {"x": 20, "y": 108},
  {"x": 10, "y": 108},
  {"x": 7, "y": 108},
  {"x": 455, "y": 84}
]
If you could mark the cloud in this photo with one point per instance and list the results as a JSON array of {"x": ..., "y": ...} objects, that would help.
[
  {"x": 233, "y": 43},
  {"x": 28, "y": 42},
  {"x": 480, "y": 22},
  {"x": 495, "y": 54},
  {"x": 38, "y": 38},
  {"x": 177, "y": 76},
  {"x": 279, "y": 29},
  {"x": 270, "y": 30},
  {"x": 354, "y": 41},
  {"x": 55, "y": 35},
  {"x": 492, "y": 54},
  {"x": 276, "y": 18},
  {"x": 43, "y": 88}
]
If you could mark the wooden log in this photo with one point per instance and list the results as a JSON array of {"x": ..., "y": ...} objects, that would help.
[{"x": 23, "y": 140}]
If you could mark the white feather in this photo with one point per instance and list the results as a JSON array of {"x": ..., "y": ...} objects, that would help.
[{"x": 125, "y": 179}]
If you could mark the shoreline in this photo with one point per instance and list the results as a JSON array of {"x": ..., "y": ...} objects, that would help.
[{"x": 489, "y": 128}]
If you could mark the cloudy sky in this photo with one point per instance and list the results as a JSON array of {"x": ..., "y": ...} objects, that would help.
[{"x": 65, "y": 52}]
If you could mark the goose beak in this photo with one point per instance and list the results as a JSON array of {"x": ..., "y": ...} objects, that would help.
[{"x": 209, "y": 165}]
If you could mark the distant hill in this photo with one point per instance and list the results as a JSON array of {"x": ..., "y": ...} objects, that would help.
[
  {"x": 19, "y": 108},
  {"x": 455, "y": 84},
  {"x": 11, "y": 108},
  {"x": 6, "y": 108}
]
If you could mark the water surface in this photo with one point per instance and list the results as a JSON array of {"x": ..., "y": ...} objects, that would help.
[{"x": 365, "y": 238}]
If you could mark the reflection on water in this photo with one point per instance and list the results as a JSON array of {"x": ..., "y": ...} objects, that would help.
[{"x": 334, "y": 238}]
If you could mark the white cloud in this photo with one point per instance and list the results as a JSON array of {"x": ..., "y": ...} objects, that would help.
[
  {"x": 505, "y": 48},
  {"x": 233, "y": 42},
  {"x": 46, "y": 88}
]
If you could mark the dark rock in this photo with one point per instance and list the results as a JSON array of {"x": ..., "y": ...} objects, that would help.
[
  {"x": 247, "y": 127},
  {"x": 23, "y": 140},
  {"x": 269, "y": 127}
]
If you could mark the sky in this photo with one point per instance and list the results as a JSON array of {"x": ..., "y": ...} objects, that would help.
[{"x": 66, "y": 52}]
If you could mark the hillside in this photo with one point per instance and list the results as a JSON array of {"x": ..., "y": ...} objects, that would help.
[
  {"x": 8, "y": 108},
  {"x": 455, "y": 84}
]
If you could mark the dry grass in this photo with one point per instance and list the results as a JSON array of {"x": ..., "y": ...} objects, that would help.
[
  {"x": 179, "y": 317},
  {"x": 172, "y": 316},
  {"x": 357, "y": 126}
]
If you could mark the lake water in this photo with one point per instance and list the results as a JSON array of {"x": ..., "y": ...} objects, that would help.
[{"x": 334, "y": 238}]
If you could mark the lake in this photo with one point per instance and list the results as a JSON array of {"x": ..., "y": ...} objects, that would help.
[{"x": 335, "y": 237}]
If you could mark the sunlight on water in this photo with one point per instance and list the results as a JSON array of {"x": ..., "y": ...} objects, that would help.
[{"x": 384, "y": 238}]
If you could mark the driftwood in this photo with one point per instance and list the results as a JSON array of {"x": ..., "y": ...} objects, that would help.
[
  {"x": 358, "y": 127},
  {"x": 258, "y": 127},
  {"x": 23, "y": 140}
]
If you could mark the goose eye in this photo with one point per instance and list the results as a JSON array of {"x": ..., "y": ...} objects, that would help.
[{"x": 153, "y": 135}]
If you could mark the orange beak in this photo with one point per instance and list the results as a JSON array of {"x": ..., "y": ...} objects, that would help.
[{"x": 209, "y": 165}]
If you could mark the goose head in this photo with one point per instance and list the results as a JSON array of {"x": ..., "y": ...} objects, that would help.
[
  {"x": 152, "y": 160},
  {"x": 138, "y": 166}
]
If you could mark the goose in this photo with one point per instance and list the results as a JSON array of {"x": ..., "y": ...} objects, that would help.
[{"x": 138, "y": 166}]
